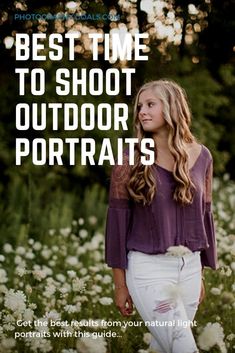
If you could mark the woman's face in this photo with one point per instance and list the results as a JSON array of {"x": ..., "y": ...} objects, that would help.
[{"x": 150, "y": 112}]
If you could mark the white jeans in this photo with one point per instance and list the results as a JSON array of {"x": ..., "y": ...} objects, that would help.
[{"x": 165, "y": 290}]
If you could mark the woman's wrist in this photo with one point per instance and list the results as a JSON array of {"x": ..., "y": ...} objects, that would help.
[
  {"x": 120, "y": 286},
  {"x": 119, "y": 278}
]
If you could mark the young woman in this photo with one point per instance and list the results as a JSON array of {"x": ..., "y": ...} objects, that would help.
[{"x": 159, "y": 232}]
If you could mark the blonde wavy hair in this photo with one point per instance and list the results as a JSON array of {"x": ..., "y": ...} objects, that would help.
[{"x": 142, "y": 185}]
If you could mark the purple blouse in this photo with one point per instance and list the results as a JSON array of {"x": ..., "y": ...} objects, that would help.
[{"x": 153, "y": 228}]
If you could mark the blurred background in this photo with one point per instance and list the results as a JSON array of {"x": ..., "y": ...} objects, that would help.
[
  {"x": 52, "y": 217},
  {"x": 189, "y": 41}
]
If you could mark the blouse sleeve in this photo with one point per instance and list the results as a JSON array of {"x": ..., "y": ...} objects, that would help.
[
  {"x": 118, "y": 216},
  {"x": 209, "y": 255}
]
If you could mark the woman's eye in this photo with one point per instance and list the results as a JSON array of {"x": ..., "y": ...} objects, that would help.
[{"x": 150, "y": 104}]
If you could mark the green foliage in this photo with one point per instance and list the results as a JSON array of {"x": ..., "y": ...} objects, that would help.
[{"x": 33, "y": 208}]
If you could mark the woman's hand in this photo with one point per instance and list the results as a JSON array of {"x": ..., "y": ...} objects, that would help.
[
  {"x": 203, "y": 292},
  {"x": 123, "y": 301}
]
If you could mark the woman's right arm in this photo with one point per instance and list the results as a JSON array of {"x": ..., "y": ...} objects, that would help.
[
  {"x": 118, "y": 216},
  {"x": 117, "y": 225},
  {"x": 123, "y": 299}
]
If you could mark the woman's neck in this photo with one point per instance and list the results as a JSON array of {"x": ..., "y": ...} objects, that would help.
[{"x": 161, "y": 142}]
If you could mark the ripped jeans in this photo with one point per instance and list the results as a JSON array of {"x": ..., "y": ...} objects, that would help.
[{"x": 165, "y": 291}]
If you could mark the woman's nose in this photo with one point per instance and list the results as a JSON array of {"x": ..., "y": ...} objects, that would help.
[{"x": 142, "y": 110}]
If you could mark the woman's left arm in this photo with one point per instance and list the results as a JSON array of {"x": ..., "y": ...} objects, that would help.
[
  {"x": 203, "y": 290},
  {"x": 209, "y": 255}
]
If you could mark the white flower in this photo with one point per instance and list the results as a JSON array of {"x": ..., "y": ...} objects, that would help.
[
  {"x": 94, "y": 268},
  {"x": 52, "y": 263},
  {"x": 230, "y": 337},
  {"x": 83, "y": 233},
  {"x": 15, "y": 300},
  {"x": 61, "y": 302},
  {"x": 60, "y": 277},
  {"x": 226, "y": 271},
  {"x": 33, "y": 306},
  {"x": 41, "y": 345},
  {"x": 39, "y": 274},
  {"x": 8, "y": 343},
  {"x": 97, "y": 289},
  {"x": 37, "y": 246},
  {"x": 7, "y": 248},
  {"x": 91, "y": 345},
  {"x": 55, "y": 248},
  {"x": 63, "y": 249},
  {"x": 80, "y": 299},
  {"x": 28, "y": 289},
  {"x": 105, "y": 301},
  {"x": 46, "y": 253},
  {"x": 83, "y": 271},
  {"x": 30, "y": 255},
  {"x": 70, "y": 350},
  {"x": 178, "y": 251},
  {"x": 92, "y": 220},
  {"x": 3, "y": 276},
  {"x": 78, "y": 285},
  {"x": 20, "y": 250},
  {"x": 72, "y": 260},
  {"x": 81, "y": 250},
  {"x": 8, "y": 327},
  {"x": 20, "y": 271},
  {"x": 227, "y": 298},
  {"x": 64, "y": 290},
  {"x": 47, "y": 270},
  {"x": 49, "y": 290},
  {"x": 18, "y": 260},
  {"x": 147, "y": 338},
  {"x": 70, "y": 308},
  {"x": 212, "y": 334},
  {"x": 96, "y": 240},
  {"x": 107, "y": 279},
  {"x": 42, "y": 324},
  {"x": 28, "y": 314},
  {"x": 98, "y": 277},
  {"x": 9, "y": 319},
  {"x": 215, "y": 291},
  {"x": 226, "y": 176},
  {"x": 2, "y": 258},
  {"x": 97, "y": 256},
  {"x": 3, "y": 289},
  {"x": 80, "y": 221},
  {"x": 71, "y": 274},
  {"x": 53, "y": 315},
  {"x": 233, "y": 266},
  {"x": 78, "y": 307},
  {"x": 51, "y": 232},
  {"x": 65, "y": 231}
]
